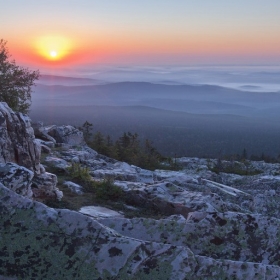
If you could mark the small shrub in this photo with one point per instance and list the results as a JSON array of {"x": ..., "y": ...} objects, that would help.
[
  {"x": 107, "y": 190},
  {"x": 79, "y": 173},
  {"x": 234, "y": 168}
]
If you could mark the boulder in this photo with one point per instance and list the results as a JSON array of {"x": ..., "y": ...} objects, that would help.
[
  {"x": 17, "y": 178},
  {"x": 17, "y": 140},
  {"x": 41, "y": 132},
  {"x": 82, "y": 154},
  {"x": 57, "y": 163},
  {"x": 67, "y": 134},
  {"x": 44, "y": 187},
  {"x": 75, "y": 188}
]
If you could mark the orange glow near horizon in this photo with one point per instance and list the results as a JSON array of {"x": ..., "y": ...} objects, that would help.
[
  {"x": 102, "y": 32},
  {"x": 77, "y": 49}
]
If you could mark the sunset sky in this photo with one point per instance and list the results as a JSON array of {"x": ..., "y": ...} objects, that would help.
[{"x": 147, "y": 32}]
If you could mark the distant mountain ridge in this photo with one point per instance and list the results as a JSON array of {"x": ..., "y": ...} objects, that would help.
[
  {"x": 135, "y": 93},
  {"x": 65, "y": 80},
  {"x": 193, "y": 120}
]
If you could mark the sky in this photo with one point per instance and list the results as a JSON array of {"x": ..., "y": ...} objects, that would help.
[{"x": 147, "y": 32}]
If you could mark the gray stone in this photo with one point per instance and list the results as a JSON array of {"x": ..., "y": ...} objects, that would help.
[
  {"x": 75, "y": 188},
  {"x": 42, "y": 169},
  {"x": 69, "y": 245},
  {"x": 67, "y": 134},
  {"x": 17, "y": 140},
  {"x": 219, "y": 226},
  {"x": 17, "y": 178},
  {"x": 45, "y": 149},
  {"x": 44, "y": 187},
  {"x": 48, "y": 144},
  {"x": 100, "y": 212},
  {"x": 42, "y": 132},
  {"x": 81, "y": 153},
  {"x": 73, "y": 246},
  {"x": 57, "y": 163},
  {"x": 232, "y": 236}
]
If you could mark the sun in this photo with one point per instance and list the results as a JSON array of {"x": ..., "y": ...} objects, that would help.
[
  {"x": 53, "y": 47},
  {"x": 53, "y": 54}
]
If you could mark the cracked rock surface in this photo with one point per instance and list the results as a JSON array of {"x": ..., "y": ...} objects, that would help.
[
  {"x": 38, "y": 242},
  {"x": 17, "y": 140},
  {"x": 215, "y": 225}
]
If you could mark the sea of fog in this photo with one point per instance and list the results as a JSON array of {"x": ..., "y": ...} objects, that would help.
[{"x": 246, "y": 78}]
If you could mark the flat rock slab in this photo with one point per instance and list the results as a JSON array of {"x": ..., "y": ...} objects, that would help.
[{"x": 100, "y": 212}]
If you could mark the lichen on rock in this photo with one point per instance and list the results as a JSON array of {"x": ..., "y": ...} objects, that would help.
[{"x": 208, "y": 225}]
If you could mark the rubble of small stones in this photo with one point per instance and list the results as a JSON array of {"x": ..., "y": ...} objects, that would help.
[{"x": 216, "y": 225}]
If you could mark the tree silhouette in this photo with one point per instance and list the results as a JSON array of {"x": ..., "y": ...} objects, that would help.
[{"x": 15, "y": 82}]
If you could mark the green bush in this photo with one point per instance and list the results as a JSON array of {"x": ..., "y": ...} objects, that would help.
[
  {"x": 234, "y": 168},
  {"x": 107, "y": 190},
  {"x": 79, "y": 173},
  {"x": 103, "y": 190}
]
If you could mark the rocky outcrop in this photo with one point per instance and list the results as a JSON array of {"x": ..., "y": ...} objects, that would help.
[
  {"x": 227, "y": 217},
  {"x": 63, "y": 244},
  {"x": 209, "y": 225},
  {"x": 234, "y": 236},
  {"x": 195, "y": 188},
  {"x": 22, "y": 181},
  {"x": 67, "y": 134},
  {"x": 17, "y": 140},
  {"x": 20, "y": 154}
]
